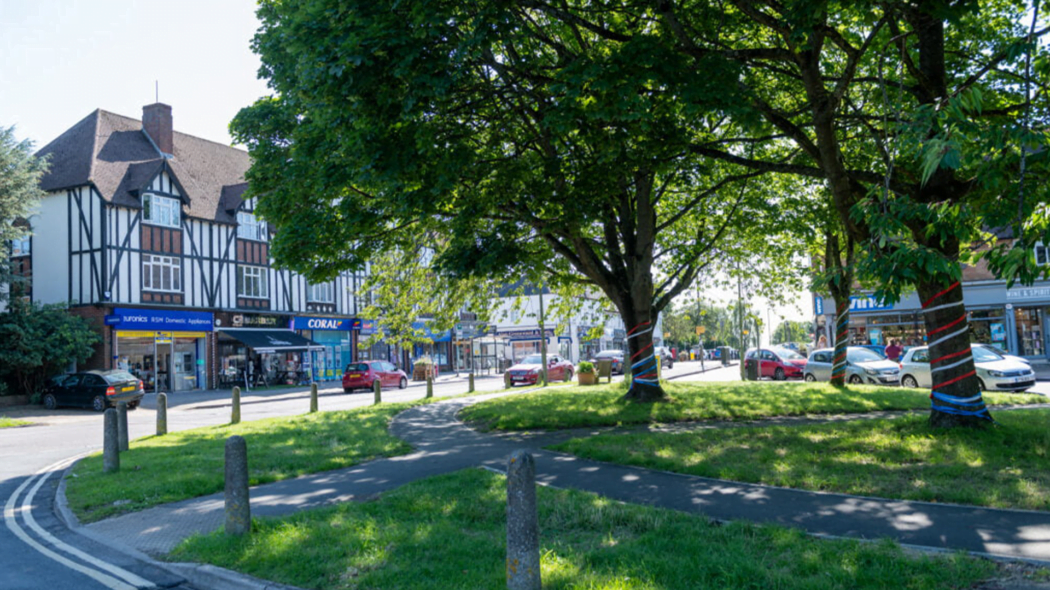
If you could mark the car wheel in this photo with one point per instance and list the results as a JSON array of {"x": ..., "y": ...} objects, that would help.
[
  {"x": 909, "y": 381},
  {"x": 98, "y": 403},
  {"x": 779, "y": 374},
  {"x": 568, "y": 375},
  {"x": 856, "y": 380},
  {"x": 810, "y": 377},
  {"x": 50, "y": 401},
  {"x": 133, "y": 405},
  {"x": 348, "y": 390},
  {"x": 980, "y": 384},
  {"x": 403, "y": 384}
]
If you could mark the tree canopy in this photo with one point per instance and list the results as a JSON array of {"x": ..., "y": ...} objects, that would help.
[{"x": 20, "y": 192}]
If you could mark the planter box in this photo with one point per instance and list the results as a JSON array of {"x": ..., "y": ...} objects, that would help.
[{"x": 586, "y": 378}]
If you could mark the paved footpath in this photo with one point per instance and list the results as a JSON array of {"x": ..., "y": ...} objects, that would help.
[{"x": 443, "y": 444}]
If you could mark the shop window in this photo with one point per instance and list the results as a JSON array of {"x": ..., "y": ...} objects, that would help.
[
  {"x": 249, "y": 227},
  {"x": 1042, "y": 254},
  {"x": 1029, "y": 332},
  {"x": 251, "y": 282},
  {"x": 161, "y": 273},
  {"x": 321, "y": 293},
  {"x": 164, "y": 211}
]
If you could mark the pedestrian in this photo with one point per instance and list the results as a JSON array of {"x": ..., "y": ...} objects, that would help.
[
  {"x": 893, "y": 351},
  {"x": 822, "y": 342}
]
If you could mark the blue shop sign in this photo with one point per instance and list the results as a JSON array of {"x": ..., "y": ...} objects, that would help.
[
  {"x": 445, "y": 336},
  {"x": 160, "y": 319},
  {"x": 366, "y": 327},
  {"x": 314, "y": 323},
  {"x": 867, "y": 303},
  {"x": 818, "y": 305}
]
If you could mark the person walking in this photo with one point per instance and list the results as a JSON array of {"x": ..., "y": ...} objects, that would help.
[
  {"x": 822, "y": 342},
  {"x": 893, "y": 351}
]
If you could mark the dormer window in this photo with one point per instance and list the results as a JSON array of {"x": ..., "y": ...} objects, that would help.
[
  {"x": 157, "y": 210},
  {"x": 250, "y": 228}
]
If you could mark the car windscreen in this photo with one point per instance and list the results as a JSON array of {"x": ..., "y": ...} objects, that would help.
[
  {"x": 862, "y": 355},
  {"x": 788, "y": 354},
  {"x": 984, "y": 355},
  {"x": 118, "y": 376},
  {"x": 357, "y": 367},
  {"x": 532, "y": 359}
]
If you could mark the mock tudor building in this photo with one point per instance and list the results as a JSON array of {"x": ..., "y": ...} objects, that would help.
[{"x": 145, "y": 232}]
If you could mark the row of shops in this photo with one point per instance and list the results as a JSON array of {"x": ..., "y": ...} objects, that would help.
[
  {"x": 176, "y": 350},
  {"x": 1014, "y": 320}
]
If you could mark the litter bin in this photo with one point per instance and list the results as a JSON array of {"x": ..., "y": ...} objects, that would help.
[{"x": 724, "y": 353}]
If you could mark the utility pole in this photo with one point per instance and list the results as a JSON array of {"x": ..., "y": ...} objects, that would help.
[{"x": 543, "y": 338}]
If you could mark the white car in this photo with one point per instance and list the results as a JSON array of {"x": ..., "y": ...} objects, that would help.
[
  {"x": 862, "y": 366},
  {"x": 995, "y": 371}
]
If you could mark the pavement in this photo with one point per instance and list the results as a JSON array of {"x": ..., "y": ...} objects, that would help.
[{"x": 444, "y": 444}]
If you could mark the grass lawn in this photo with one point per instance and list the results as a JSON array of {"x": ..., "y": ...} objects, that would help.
[
  {"x": 449, "y": 532},
  {"x": 188, "y": 464},
  {"x": 6, "y": 422},
  {"x": 1002, "y": 467},
  {"x": 601, "y": 405}
]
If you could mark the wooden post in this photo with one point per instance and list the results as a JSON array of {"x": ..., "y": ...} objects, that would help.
[
  {"x": 235, "y": 408},
  {"x": 313, "y": 398},
  {"x": 110, "y": 444},
  {"x": 523, "y": 529},
  {"x": 162, "y": 414},
  {"x": 238, "y": 507}
]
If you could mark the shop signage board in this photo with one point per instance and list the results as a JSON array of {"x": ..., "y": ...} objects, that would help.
[
  {"x": 818, "y": 305},
  {"x": 514, "y": 335},
  {"x": 124, "y": 318},
  {"x": 867, "y": 303},
  {"x": 1027, "y": 293},
  {"x": 319, "y": 323},
  {"x": 366, "y": 327}
]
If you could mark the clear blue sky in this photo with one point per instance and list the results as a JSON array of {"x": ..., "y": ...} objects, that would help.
[{"x": 62, "y": 59}]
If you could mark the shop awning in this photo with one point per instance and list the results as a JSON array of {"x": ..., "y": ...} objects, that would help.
[{"x": 265, "y": 340}]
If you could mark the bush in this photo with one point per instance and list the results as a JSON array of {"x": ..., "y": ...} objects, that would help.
[
  {"x": 39, "y": 343},
  {"x": 585, "y": 367}
]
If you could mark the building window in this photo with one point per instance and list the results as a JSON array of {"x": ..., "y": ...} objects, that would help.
[
  {"x": 250, "y": 228},
  {"x": 251, "y": 282},
  {"x": 1042, "y": 254},
  {"x": 161, "y": 273},
  {"x": 20, "y": 247},
  {"x": 161, "y": 211},
  {"x": 322, "y": 293}
]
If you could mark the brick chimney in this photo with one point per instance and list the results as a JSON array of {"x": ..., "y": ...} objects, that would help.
[{"x": 156, "y": 122}]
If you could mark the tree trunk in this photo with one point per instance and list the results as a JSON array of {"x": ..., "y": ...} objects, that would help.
[
  {"x": 641, "y": 362},
  {"x": 838, "y": 365},
  {"x": 955, "y": 393}
]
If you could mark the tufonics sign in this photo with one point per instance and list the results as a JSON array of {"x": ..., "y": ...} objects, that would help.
[
  {"x": 125, "y": 318},
  {"x": 316, "y": 323}
]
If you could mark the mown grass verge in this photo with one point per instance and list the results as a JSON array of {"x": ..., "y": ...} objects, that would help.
[
  {"x": 6, "y": 422},
  {"x": 903, "y": 458},
  {"x": 449, "y": 532},
  {"x": 602, "y": 406},
  {"x": 188, "y": 464}
]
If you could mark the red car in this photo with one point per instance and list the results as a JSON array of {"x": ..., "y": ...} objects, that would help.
[
  {"x": 362, "y": 375},
  {"x": 775, "y": 363},
  {"x": 527, "y": 372}
]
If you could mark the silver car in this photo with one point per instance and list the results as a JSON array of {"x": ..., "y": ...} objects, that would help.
[
  {"x": 862, "y": 366},
  {"x": 995, "y": 372}
]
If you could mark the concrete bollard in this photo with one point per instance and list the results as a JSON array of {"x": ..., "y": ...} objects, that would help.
[
  {"x": 313, "y": 398},
  {"x": 470, "y": 383},
  {"x": 377, "y": 388},
  {"x": 238, "y": 507},
  {"x": 110, "y": 444},
  {"x": 122, "y": 425},
  {"x": 506, "y": 381},
  {"x": 430, "y": 387},
  {"x": 523, "y": 529},
  {"x": 162, "y": 414},
  {"x": 235, "y": 408}
]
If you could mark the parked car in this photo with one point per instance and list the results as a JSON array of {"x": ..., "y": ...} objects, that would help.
[
  {"x": 776, "y": 363},
  {"x": 615, "y": 355},
  {"x": 97, "y": 390},
  {"x": 364, "y": 374},
  {"x": 878, "y": 349},
  {"x": 527, "y": 371},
  {"x": 862, "y": 366},
  {"x": 666, "y": 358},
  {"x": 1003, "y": 354},
  {"x": 995, "y": 372}
]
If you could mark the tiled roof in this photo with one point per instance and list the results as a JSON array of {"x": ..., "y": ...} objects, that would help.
[{"x": 113, "y": 153}]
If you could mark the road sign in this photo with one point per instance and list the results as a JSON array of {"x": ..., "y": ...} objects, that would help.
[{"x": 701, "y": 330}]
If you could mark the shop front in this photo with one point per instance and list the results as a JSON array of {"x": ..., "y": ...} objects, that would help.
[
  {"x": 167, "y": 349},
  {"x": 438, "y": 346},
  {"x": 522, "y": 343},
  {"x": 254, "y": 357},
  {"x": 334, "y": 336}
]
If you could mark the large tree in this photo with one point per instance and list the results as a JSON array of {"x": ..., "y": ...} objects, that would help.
[
  {"x": 20, "y": 192},
  {"x": 527, "y": 137}
]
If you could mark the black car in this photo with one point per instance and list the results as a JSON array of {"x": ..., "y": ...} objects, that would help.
[
  {"x": 615, "y": 355},
  {"x": 97, "y": 390}
]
